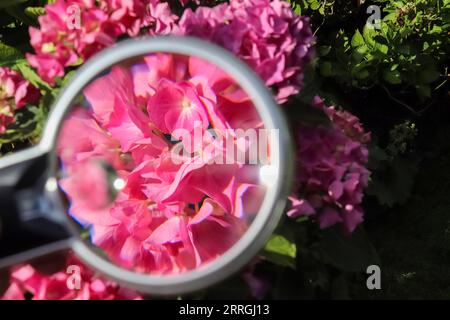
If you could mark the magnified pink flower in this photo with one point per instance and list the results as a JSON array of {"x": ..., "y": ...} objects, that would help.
[
  {"x": 83, "y": 139},
  {"x": 15, "y": 93},
  {"x": 28, "y": 283},
  {"x": 176, "y": 106},
  {"x": 331, "y": 170},
  {"x": 176, "y": 211}
]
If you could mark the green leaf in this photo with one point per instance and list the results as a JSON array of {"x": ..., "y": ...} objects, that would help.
[
  {"x": 404, "y": 49},
  {"x": 372, "y": 38},
  {"x": 8, "y": 54},
  {"x": 68, "y": 77},
  {"x": 361, "y": 50},
  {"x": 29, "y": 74},
  {"x": 301, "y": 219},
  {"x": 361, "y": 73},
  {"x": 352, "y": 252},
  {"x": 368, "y": 35},
  {"x": 322, "y": 10},
  {"x": 326, "y": 69},
  {"x": 394, "y": 67},
  {"x": 357, "y": 39},
  {"x": 390, "y": 17},
  {"x": 280, "y": 245},
  {"x": 436, "y": 30},
  {"x": 315, "y": 5},
  {"x": 323, "y": 50},
  {"x": 392, "y": 76},
  {"x": 297, "y": 9},
  {"x": 280, "y": 251},
  {"x": 27, "y": 125},
  {"x": 34, "y": 12}
]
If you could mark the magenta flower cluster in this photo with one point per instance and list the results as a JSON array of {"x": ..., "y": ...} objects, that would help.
[
  {"x": 331, "y": 170},
  {"x": 71, "y": 31},
  {"x": 265, "y": 34}
]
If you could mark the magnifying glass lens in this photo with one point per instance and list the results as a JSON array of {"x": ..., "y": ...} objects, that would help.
[{"x": 164, "y": 163}]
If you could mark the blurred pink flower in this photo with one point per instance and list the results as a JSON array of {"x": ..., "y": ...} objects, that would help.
[
  {"x": 88, "y": 184},
  {"x": 15, "y": 93},
  {"x": 82, "y": 139},
  {"x": 26, "y": 280},
  {"x": 175, "y": 106},
  {"x": 331, "y": 170}
]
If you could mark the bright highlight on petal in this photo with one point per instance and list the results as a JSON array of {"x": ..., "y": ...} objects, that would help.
[{"x": 119, "y": 184}]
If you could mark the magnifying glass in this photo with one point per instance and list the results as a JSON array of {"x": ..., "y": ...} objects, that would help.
[{"x": 165, "y": 165}]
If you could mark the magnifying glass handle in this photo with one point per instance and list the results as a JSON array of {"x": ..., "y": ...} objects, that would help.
[{"x": 30, "y": 226}]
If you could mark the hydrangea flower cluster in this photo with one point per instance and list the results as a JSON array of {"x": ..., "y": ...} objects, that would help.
[
  {"x": 28, "y": 283},
  {"x": 71, "y": 31},
  {"x": 266, "y": 34},
  {"x": 331, "y": 170},
  {"x": 177, "y": 211},
  {"x": 15, "y": 93}
]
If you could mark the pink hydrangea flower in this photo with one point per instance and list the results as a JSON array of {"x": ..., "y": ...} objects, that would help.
[
  {"x": 71, "y": 31},
  {"x": 159, "y": 18},
  {"x": 331, "y": 170},
  {"x": 176, "y": 212},
  {"x": 15, "y": 92},
  {"x": 25, "y": 280},
  {"x": 267, "y": 35}
]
